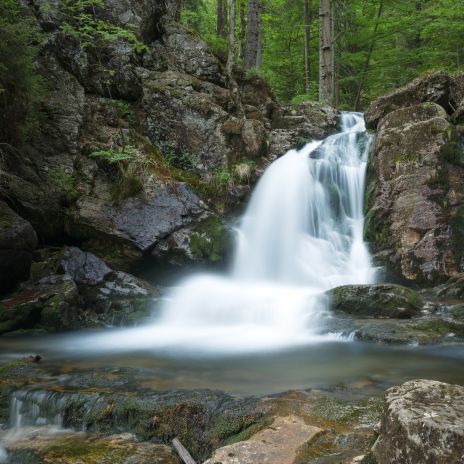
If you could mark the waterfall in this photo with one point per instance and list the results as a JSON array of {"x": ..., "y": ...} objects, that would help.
[{"x": 301, "y": 235}]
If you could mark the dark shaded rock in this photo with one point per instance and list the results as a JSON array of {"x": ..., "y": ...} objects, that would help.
[
  {"x": 423, "y": 422},
  {"x": 415, "y": 194},
  {"x": 137, "y": 223},
  {"x": 434, "y": 87},
  {"x": 70, "y": 289},
  {"x": 84, "y": 268},
  {"x": 376, "y": 300},
  {"x": 17, "y": 241},
  {"x": 51, "y": 303}
]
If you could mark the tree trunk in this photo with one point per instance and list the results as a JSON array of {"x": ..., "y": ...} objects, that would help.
[
  {"x": 231, "y": 54},
  {"x": 242, "y": 33},
  {"x": 326, "y": 55},
  {"x": 368, "y": 57},
  {"x": 253, "y": 34},
  {"x": 307, "y": 38},
  {"x": 221, "y": 18}
]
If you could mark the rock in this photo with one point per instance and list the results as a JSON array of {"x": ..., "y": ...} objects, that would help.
[
  {"x": 278, "y": 444},
  {"x": 376, "y": 300},
  {"x": 17, "y": 241},
  {"x": 206, "y": 242},
  {"x": 84, "y": 268},
  {"x": 79, "y": 448},
  {"x": 138, "y": 223},
  {"x": 434, "y": 87},
  {"x": 423, "y": 422},
  {"x": 70, "y": 289},
  {"x": 49, "y": 304},
  {"x": 294, "y": 127},
  {"x": 415, "y": 197}
]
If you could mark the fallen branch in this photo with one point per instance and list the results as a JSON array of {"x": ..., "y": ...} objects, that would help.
[{"x": 182, "y": 452}]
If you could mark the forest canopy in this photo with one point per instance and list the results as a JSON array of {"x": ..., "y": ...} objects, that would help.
[{"x": 377, "y": 45}]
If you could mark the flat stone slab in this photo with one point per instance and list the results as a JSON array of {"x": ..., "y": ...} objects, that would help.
[{"x": 278, "y": 444}]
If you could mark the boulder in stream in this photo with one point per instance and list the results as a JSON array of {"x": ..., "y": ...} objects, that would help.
[
  {"x": 376, "y": 300},
  {"x": 423, "y": 422}
]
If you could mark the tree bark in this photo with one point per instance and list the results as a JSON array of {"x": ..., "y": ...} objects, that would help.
[
  {"x": 326, "y": 55},
  {"x": 307, "y": 38},
  {"x": 231, "y": 54},
  {"x": 253, "y": 34},
  {"x": 221, "y": 18},
  {"x": 242, "y": 33}
]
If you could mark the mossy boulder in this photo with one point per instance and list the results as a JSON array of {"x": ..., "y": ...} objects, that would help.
[{"x": 376, "y": 301}]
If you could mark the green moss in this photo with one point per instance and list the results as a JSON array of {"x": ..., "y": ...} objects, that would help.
[
  {"x": 453, "y": 150},
  {"x": 404, "y": 157},
  {"x": 7, "y": 367},
  {"x": 441, "y": 327},
  {"x": 210, "y": 241}
]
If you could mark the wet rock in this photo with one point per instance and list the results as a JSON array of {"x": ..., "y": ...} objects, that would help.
[
  {"x": 51, "y": 304},
  {"x": 414, "y": 196},
  {"x": 434, "y": 87},
  {"x": 423, "y": 422},
  {"x": 377, "y": 300},
  {"x": 80, "y": 448},
  {"x": 206, "y": 242},
  {"x": 426, "y": 331},
  {"x": 278, "y": 444},
  {"x": 17, "y": 241}
]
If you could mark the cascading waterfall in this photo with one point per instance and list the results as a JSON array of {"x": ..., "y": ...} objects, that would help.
[{"x": 301, "y": 235}]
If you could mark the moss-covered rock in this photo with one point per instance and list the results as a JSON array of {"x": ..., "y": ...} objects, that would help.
[{"x": 378, "y": 301}]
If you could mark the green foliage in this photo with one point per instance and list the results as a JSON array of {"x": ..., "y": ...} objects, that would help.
[
  {"x": 117, "y": 155},
  {"x": 124, "y": 111},
  {"x": 82, "y": 22},
  {"x": 180, "y": 159},
  {"x": 63, "y": 180},
  {"x": 21, "y": 88}
]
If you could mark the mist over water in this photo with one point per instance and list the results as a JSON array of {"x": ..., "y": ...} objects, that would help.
[{"x": 301, "y": 235}]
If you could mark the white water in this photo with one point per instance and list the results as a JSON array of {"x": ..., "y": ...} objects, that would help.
[{"x": 301, "y": 235}]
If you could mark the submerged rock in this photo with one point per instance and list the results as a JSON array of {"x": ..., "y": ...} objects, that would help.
[
  {"x": 278, "y": 444},
  {"x": 377, "y": 300},
  {"x": 17, "y": 241},
  {"x": 423, "y": 422}
]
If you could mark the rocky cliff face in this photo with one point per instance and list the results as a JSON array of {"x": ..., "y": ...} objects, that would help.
[
  {"x": 415, "y": 191},
  {"x": 144, "y": 143}
]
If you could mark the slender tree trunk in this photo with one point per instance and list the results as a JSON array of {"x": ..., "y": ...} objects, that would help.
[
  {"x": 307, "y": 38},
  {"x": 326, "y": 55},
  {"x": 242, "y": 34},
  {"x": 221, "y": 18},
  {"x": 231, "y": 54},
  {"x": 368, "y": 57},
  {"x": 253, "y": 34}
]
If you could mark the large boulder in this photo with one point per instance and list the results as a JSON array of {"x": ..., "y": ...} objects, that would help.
[
  {"x": 415, "y": 196},
  {"x": 17, "y": 241},
  {"x": 437, "y": 87},
  {"x": 423, "y": 422},
  {"x": 378, "y": 301}
]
